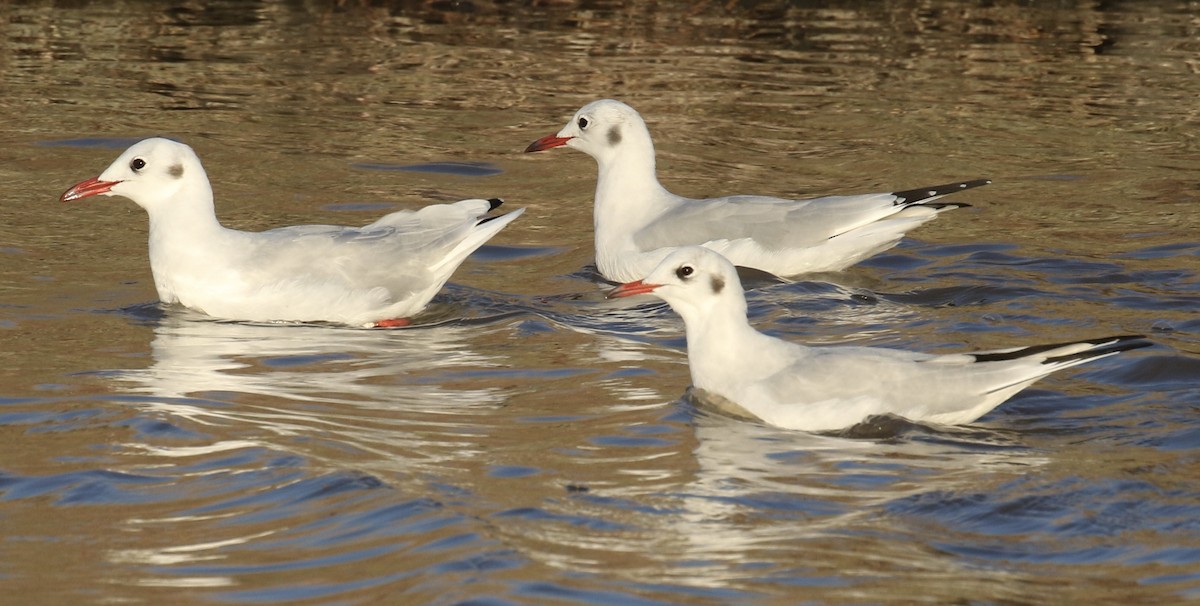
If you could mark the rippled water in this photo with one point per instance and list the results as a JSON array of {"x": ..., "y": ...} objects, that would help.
[{"x": 532, "y": 443}]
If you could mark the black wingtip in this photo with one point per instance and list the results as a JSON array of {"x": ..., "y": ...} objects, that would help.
[
  {"x": 916, "y": 196},
  {"x": 1115, "y": 345},
  {"x": 946, "y": 205},
  {"x": 495, "y": 202},
  {"x": 1106, "y": 345}
]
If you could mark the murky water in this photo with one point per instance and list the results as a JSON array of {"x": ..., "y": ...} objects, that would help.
[{"x": 532, "y": 444}]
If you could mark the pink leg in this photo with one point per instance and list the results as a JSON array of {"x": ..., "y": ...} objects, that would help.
[{"x": 392, "y": 323}]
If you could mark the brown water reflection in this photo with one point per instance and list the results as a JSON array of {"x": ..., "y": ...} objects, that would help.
[{"x": 540, "y": 454}]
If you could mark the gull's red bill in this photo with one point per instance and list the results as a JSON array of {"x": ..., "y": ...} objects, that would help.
[
  {"x": 547, "y": 142},
  {"x": 85, "y": 189},
  {"x": 629, "y": 289}
]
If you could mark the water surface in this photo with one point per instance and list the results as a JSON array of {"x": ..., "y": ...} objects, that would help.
[{"x": 531, "y": 443}]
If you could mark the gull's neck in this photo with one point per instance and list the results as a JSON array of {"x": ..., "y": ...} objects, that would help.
[
  {"x": 724, "y": 349},
  {"x": 628, "y": 198},
  {"x": 185, "y": 217},
  {"x": 185, "y": 240},
  {"x": 627, "y": 189}
]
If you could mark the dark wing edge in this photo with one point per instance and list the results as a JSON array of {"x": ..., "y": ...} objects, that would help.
[
  {"x": 1103, "y": 346},
  {"x": 921, "y": 194},
  {"x": 495, "y": 203}
]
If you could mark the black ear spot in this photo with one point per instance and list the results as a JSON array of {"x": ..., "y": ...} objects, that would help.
[
  {"x": 614, "y": 135},
  {"x": 718, "y": 284},
  {"x": 176, "y": 171}
]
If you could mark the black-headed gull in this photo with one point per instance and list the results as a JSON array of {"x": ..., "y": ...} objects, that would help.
[
  {"x": 828, "y": 388},
  {"x": 377, "y": 275},
  {"x": 637, "y": 221}
]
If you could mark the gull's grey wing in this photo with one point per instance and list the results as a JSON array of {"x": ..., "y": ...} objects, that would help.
[
  {"x": 772, "y": 222},
  {"x": 777, "y": 223},
  {"x": 403, "y": 250}
]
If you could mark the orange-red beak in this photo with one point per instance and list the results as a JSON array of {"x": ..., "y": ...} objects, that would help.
[
  {"x": 91, "y": 187},
  {"x": 547, "y": 142},
  {"x": 629, "y": 289}
]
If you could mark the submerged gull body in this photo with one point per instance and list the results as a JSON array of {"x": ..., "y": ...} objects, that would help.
[
  {"x": 376, "y": 275},
  {"x": 828, "y": 388},
  {"x": 638, "y": 222}
]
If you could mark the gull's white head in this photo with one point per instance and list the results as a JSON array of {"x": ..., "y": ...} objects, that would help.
[
  {"x": 604, "y": 130},
  {"x": 695, "y": 281},
  {"x": 155, "y": 173}
]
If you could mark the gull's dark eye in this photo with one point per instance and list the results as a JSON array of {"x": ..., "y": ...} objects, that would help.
[
  {"x": 137, "y": 164},
  {"x": 583, "y": 123},
  {"x": 685, "y": 272}
]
